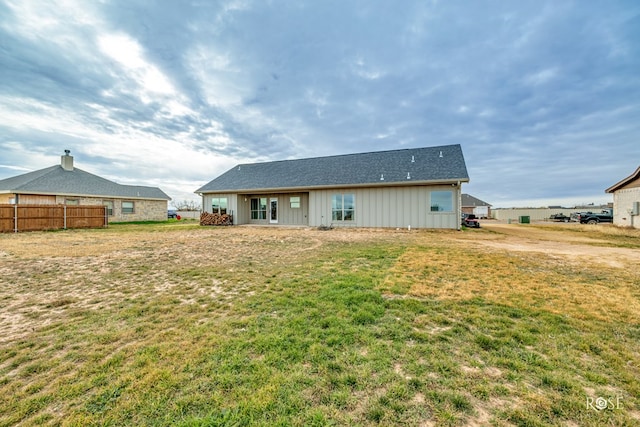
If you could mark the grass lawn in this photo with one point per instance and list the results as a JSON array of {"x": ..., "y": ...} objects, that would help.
[{"x": 177, "y": 324}]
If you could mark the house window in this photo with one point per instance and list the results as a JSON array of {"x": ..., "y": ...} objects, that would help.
[
  {"x": 343, "y": 207},
  {"x": 128, "y": 207},
  {"x": 109, "y": 205},
  {"x": 442, "y": 201},
  {"x": 219, "y": 205},
  {"x": 72, "y": 202},
  {"x": 294, "y": 202},
  {"x": 259, "y": 208}
]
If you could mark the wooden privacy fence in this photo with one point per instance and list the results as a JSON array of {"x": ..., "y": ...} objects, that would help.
[{"x": 14, "y": 218}]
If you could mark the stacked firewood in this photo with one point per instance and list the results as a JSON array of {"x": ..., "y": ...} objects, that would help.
[{"x": 207, "y": 218}]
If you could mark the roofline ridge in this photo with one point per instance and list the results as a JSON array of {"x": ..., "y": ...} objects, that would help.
[{"x": 349, "y": 154}]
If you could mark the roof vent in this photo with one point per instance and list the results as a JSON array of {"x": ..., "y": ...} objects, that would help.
[
  {"x": 408, "y": 175},
  {"x": 440, "y": 154},
  {"x": 382, "y": 177},
  {"x": 413, "y": 159}
]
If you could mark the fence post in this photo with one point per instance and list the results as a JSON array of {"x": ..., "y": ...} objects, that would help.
[
  {"x": 64, "y": 215},
  {"x": 15, "y": 218}
]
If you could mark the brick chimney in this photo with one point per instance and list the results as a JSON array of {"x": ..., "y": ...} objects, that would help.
[{"x": 67, "y": 161}]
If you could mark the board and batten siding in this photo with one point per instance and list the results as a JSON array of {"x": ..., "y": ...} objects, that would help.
[
  {"x": 387, "y": 207},
  {"x": 286, "y": 214},
  {"x": 293, "y": 216},
  {"x": 240, "y": 206},
  {"x": 232, "y": 204}
]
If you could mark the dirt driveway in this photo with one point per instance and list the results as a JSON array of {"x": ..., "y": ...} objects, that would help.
[{"x": 562, "y": 241}]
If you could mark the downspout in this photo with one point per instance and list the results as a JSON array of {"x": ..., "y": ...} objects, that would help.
[{"x": 459, "y": 226}]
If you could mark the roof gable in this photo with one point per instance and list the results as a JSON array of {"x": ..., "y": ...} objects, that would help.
[
  {"x": 630, "y": 181},
  {"x": 396, "y": 167},
  {"x": 469, "y": 200}
]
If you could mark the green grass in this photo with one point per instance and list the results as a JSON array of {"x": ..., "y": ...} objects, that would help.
[{"x": 292, "y": 338}]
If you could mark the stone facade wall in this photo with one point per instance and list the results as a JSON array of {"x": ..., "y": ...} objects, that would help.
[{"x": 143, "y": 210}]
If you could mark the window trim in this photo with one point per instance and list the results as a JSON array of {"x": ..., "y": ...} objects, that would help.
[
  {"x": 295, "y": 202},
  {"x": 220, "y": 209},
  {"x": 438, "y": 207},
  {"x": 261, "y": 211},
  {"x": 339, "y": 212},
  {"x": 126, "y": 211},
  {"x": 109, "y": 205}
]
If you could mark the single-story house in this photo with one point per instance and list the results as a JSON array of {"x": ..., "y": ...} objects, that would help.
[
  {"x": 472, "y": 205},
  {"x": 417, "y": 188},
  {"x": 626, "y": 201},
  {"x": 68, "y": 185}
]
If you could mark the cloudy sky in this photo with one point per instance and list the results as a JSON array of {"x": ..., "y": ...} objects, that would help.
[{"x": 543, "y": 96}]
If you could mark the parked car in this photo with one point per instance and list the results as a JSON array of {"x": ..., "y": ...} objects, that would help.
[
  {"x": 470, "y": 220},
  {"x": 560, "y": 217},
  {"x": 593, "y": 218},
  {"x": 173, "y": 214}
]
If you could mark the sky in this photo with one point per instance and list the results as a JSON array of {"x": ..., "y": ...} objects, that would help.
[{"x": 543, "y": 96}]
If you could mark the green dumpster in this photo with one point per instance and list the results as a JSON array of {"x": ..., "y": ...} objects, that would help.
[{"x": 525, "y": 219}]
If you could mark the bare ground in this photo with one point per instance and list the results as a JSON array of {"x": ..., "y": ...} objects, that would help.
[
  {"x": 45, "y": 275},
  {"x": 549, "y": 240},
  {"x": 40, "y": 272}
]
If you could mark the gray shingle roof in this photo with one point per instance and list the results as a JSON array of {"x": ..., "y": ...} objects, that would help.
[
  {"x": 468, "y": 200},
  {"x": 56, "y": 180},
  {"x": 406, "y": 167}
]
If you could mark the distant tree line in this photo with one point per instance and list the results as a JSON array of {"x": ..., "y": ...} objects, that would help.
[{"x": 186, "y": 205}]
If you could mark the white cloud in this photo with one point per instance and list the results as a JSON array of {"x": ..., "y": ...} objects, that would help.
[
  {"x": 221, "y": 81},
  {"x": 541, "y": 77},
  {"x": 128, "y": 53},
  {"x": 188, "y": 90}
]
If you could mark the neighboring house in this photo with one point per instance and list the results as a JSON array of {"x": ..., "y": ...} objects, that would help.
[
  {"x": 471, "y": 205},
  {"x": 626, "y": 201},
  {"x": 418, "y": 188},
  {"x": 65, "y": 184}
]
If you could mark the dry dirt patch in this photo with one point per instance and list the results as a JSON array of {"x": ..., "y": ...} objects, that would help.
[
  {"x": 580, "y": 249},
  {"x": 525, "y": 266},
  {"x": 46, "y": 275},
  {"x": 43, "y": 275}
]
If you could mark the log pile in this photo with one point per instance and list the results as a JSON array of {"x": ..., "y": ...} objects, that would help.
[{"x": 207, "y": 218}]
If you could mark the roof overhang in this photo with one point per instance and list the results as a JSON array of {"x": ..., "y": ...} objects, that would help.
[
  {"x": 624, "y": 182},
  {"x": 409, "y": 183},
  {"x": 102, "y": 196}
]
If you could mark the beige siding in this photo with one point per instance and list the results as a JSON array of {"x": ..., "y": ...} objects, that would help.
[
  {"x": 623, "y": 207},
  {"x": 388, "y": 207},
  {"x": 286, "y": 214},
  {"x": 293, "y": 216},
  {"x": 234, "y": 206}
]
